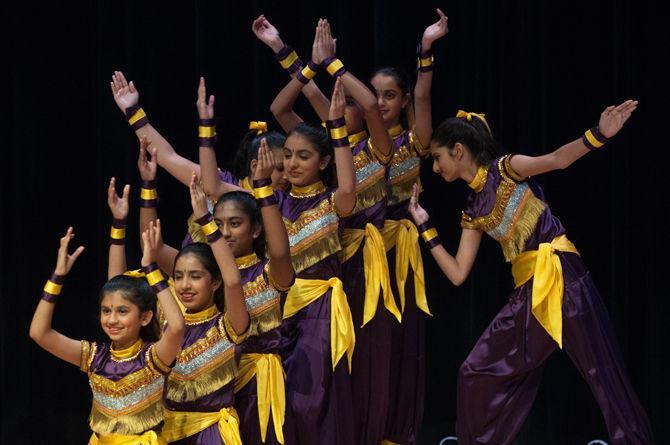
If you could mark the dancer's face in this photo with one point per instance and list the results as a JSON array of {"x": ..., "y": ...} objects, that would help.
[
  {"x": 354, "y": 115},
  {"x": 194, "y": 284},
  {"x": 237, "y": 228},
  {"x": 121, "y": 319},
  {"x": 302, "y": 162},
  {"x": 390, "y": 98},
  {"x": 446, "y": 162},
  {"x": 278, "y": 177}
]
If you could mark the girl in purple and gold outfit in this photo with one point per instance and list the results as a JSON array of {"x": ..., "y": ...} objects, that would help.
[
  {"x": 266, "y": 277},
  {"x": 199, "y": 393},
  {"x": 555, "y": 303},
  {"x": 126, "y": 375}
]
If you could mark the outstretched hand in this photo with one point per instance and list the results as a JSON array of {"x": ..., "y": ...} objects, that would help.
[
  {"x": 613, "y": 118},
  {"x": 419, "y": 215},
  {"x": 436, "y": 30},
  {"x": 267, "y": 33},
  {"x": 117, "y": 204},
  {"x": 324, "y": 44},
  {"x": 152, "y": 242},
  {"x": 125, "y": 93},
  {"x": 198, "y": 197},
  {"x": 147, "y": 161},
  {"x": 338, "y": 101},
  {"x": 205, "y": 108},
  {"x": 64, "y": 260},
  {"x": 266, "y": 162}
]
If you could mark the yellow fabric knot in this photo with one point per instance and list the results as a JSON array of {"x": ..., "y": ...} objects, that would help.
[
  {"x": 270, "y": 392},
  {"x": 468, "y": 116},
  {"x": 544, "y": 266},
  {"x": 180, "y": 425},
  {"x": 148, "y": 438},
  {"x": 260, "y": 127},
  {"x": 342, "y": 337}
]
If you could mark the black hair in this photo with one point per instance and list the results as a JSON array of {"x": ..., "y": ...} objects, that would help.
[
  {"x": 204, "y": 253},
  {"x": 317, "y": 136},
  {"x": 473, "y": 134},
  {"x": 248, "y": 149},
  {"x": 138, "y": 292},
  {"x": 402, "y": 80},
  {"x": 250, "y": 207}
]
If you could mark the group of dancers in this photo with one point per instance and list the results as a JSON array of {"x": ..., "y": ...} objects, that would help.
[{"x": 294, "y": 311}]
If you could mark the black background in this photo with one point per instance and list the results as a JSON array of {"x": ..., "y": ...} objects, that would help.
[{"x": 542, "y": 71}]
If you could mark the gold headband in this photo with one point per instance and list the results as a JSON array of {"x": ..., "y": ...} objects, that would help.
[
  {"x": 468, "y": 116},
  {"x": 260, "y": 127}
]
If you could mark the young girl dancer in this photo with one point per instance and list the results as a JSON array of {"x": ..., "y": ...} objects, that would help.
[
  {"x": 199, "y": 392},
  {"x": 555, "y": 302},
  {"x": 259, "y": 386},
  {"x": 127, "y": 374}
]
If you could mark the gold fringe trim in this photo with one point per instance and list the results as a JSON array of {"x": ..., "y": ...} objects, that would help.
[
  {"x": 522, "y": 227},
  {"x": 402, "y": 191},
  {"x": 183, "y": 390},
  {"x": 135, "y": 423},
  {"x": 371, "y": 194},
  {"x": 266, "y": 321},
  {"x": 317, "y": 250}
]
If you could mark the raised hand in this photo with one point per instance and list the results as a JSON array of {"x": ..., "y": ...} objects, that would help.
[
  {"x": 125, "y": 93},
  {"x": 147, "y": 164},
  {"x": 267, "y": 33},
  {"x": 327, "y": 45},
  {"x": 64, "y": 260},
  {"x": 338, "y": 102},
  {"x": 152, "y": 242},
  {"x": 435, "y": 31},
  {"x": 198, "y": 197},
  {"x": 117, "y": 204},
  {"x": 205, "y": 108},
  {"x": 419, "y": 215},
  {"x": 613, "y": 118},
  {"x": 266, "y": 163}
]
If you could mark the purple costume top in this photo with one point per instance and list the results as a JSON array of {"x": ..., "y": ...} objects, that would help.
[
  {"x": 511, "y": 209},
  {"x": 403, "y": 171},
  {"x": 202, "y": 378},
  {"x": 127, "y": 387}
]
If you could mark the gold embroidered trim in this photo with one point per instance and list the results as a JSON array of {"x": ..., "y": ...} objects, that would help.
[
  {"x": 88, "y": 350},
  {"x": 155, "y": 362},
  {"x": 124, "y": 386},
  {"x": 247, "y": 261},
  {"x": 230, "y": 331},
  {"x": 307, "y": 191},
  {"x": 272, "y": 282},
  {"x": 507, "y": 167},
  {"x": 127, "y": 354},
  {"x": 201, "y": 317},
  {"x": 479, "y": 181},
  {"x": 396, "y": 131},
  {"x": 354, "y": 139},
  {"x": 415, "y": 143}
]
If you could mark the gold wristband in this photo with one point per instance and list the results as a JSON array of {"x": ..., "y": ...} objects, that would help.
[
  {"x": 263, "y": 192},
  {"x": 52, "y": 288}
]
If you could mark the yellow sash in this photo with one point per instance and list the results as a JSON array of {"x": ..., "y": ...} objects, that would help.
[
  {"x": 269, "y": 389},
  {"x": 180, "y": 425},
  {"x": 545, "y": 266},
  {"x": 148, "y": 438},
  {"x": 405, "y": 238},
  {"x": 375, "y": 266},
  {"x": 342, "y": 337}
]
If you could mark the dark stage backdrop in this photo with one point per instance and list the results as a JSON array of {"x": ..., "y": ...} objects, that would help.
[{"x": 542, "y": 71}]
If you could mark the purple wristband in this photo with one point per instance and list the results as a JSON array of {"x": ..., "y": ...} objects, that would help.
[
  {"x": 336, "y": 123},
  {"x": 130, "y": 112},
  {"x": 269, "y": 201},
  {"x": 258, "y": 183},
  {"x": 55, "y": 279}
]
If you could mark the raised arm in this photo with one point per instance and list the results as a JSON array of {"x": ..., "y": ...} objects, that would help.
[
  {"x": 424, "y": 80},
  {"x": 173, "y": 335},
  {"x": 345, "y": 195},
  {"x": 236, "y": 310},
  {"x": 127, "y": 99},
  {"x": 41, "y": 331},
  {"x": 117, "y": 239},
  {"x": 278, "y": 249},
  {"x": 146, "y": 164},
  {"x": 282, "y": 107},
  {"x": 358, "y": 91},
  {"x": 611, "y": 121},
  {"x": 455, "y": 268}
]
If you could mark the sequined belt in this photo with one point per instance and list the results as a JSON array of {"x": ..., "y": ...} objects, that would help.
[
  {"x": 270, "y": 392},
  {"x": 375, "y": 266},
  {"x": 404, "y": 237},
  {"x": 544, "y": 266}
]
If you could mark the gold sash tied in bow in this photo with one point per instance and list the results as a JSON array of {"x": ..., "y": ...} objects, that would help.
[
  {"x": 342, "y": 337},
  {"x": 404, "y": 237},
  {"x": 375, "y": 266},
  {"x": 544, "y": 266},
  {"x": 180, "y": 425},
  {"x": 270, "y": 391}
]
